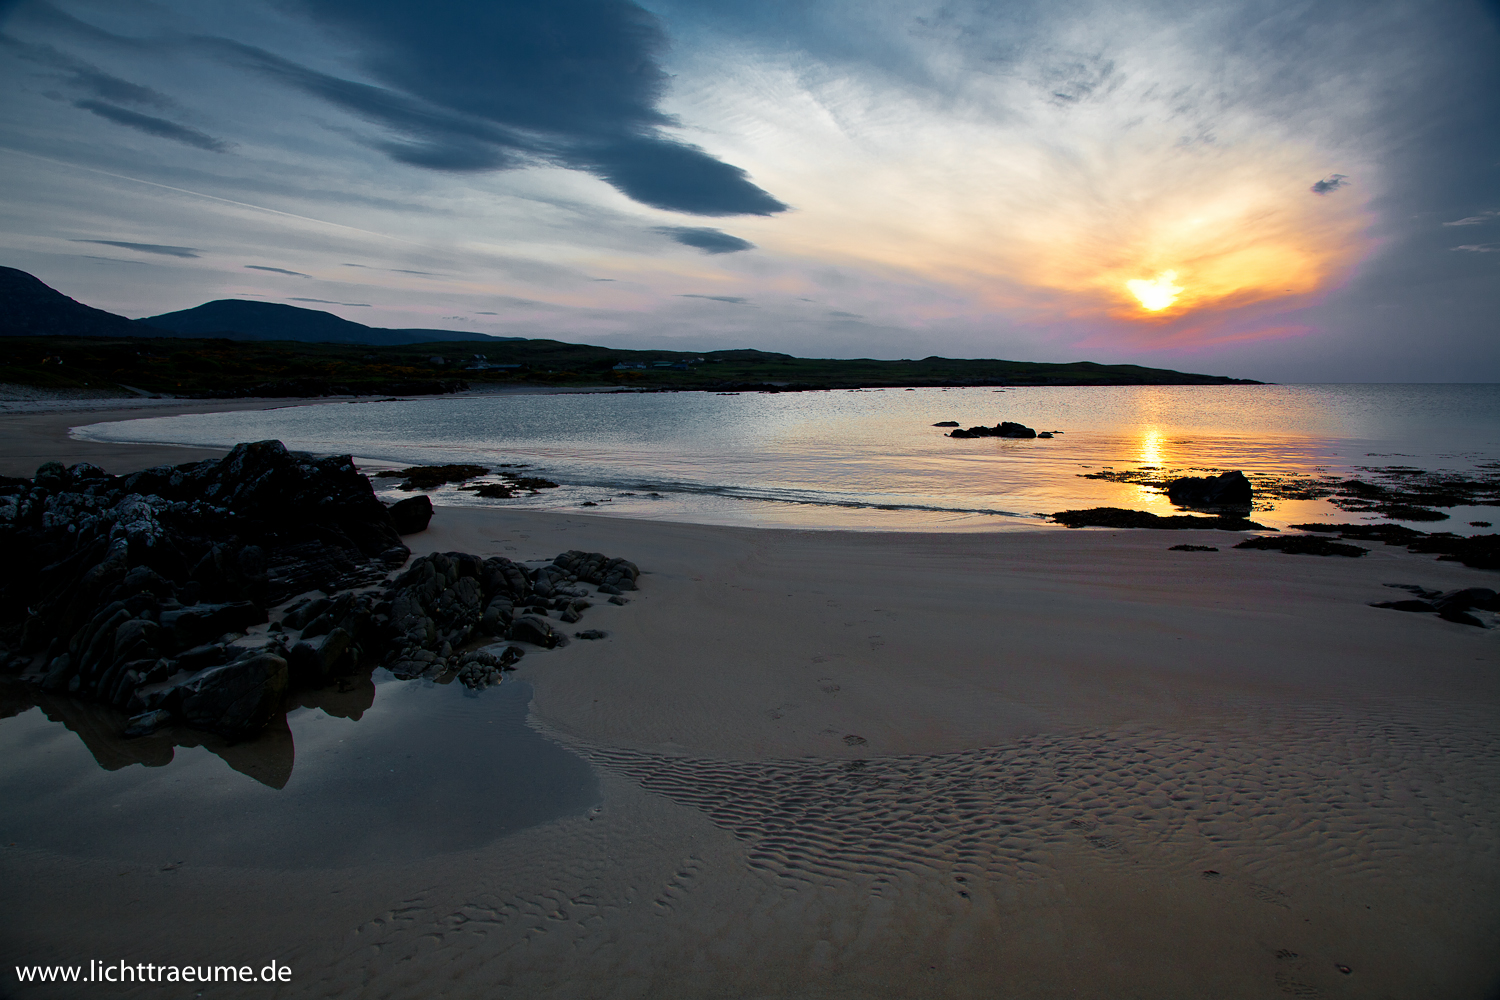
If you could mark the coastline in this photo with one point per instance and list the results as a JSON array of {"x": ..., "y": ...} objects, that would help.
[{"x": 850, "y": 762}]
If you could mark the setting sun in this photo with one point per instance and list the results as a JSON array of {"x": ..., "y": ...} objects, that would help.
[{"x": 1158, "y": 293}]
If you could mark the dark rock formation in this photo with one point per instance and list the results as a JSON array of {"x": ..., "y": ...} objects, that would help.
[
  {"x": 946, "y": 423},
  {"x": 430, "y": 477},
  {"x": 412, "y": 514},
  {"x": 1004, "y": 429},
  {"x": 1307, "y": 545},
  {"x": 1231, "y": 489},
  {"x": 139, "y": 591},
  {"x": 1193, "y": 548},
  {"x": 1118, "y": 517},
  {"x": 1453, "y": 605},
  {"x": 1477, "y": 551}
]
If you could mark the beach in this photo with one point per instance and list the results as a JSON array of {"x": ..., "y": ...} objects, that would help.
[{"x": 1046, "y": 763}]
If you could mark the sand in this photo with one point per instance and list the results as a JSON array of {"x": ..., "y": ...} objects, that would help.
[{"x": 1022, "y": 764}]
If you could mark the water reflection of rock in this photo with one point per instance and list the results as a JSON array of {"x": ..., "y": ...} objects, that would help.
[{"x": 267, "y": 757}]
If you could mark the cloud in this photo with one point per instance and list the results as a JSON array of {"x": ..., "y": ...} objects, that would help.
[
  {"x": 1330, "y": 183},
  {"x": 1480, "y": 247},
  {"x": 845, "y": 315},
  {"x": 486, "y": 314},
  {"x": 89, "y": 78},
  {"x": 152, "y": 125},
  {"x": 1474, "y": 220},
  {"x": 327, "y": 302},
  {"x": 277, "y": 270},
  {"x": 477, "y": 87},
  {"x": 733, "y": 300},
  {"x": 711, "y": 241},
  {"x": 165, "y": 251}
]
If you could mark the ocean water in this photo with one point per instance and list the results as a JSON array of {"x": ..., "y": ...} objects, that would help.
[{"x": 872, "y": 459}]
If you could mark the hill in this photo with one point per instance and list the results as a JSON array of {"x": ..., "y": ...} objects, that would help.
[
  {"x": 31, "y": 308},
  {"x": 240, "y": 319}
]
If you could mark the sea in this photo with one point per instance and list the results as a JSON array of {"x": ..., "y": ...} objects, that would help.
[{"x": 872, "y": 459}]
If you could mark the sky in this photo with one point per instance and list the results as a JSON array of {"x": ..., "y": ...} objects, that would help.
[{"x": 1286, "y": 191}]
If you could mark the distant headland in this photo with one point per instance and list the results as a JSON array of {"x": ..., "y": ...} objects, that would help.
[{"x": 236, "y": 348}]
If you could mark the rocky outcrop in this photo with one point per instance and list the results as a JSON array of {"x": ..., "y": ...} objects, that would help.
[
  {"x": 1119, "y": 517},
  {"x": 165, "y": 593},
  {"x": 1004, "y": 429},
  {"x": 411, "y": 515},
  {"x": 1230, "y": 489}
]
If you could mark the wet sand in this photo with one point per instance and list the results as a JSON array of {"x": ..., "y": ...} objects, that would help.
[{"x": 1023, "y": 764}]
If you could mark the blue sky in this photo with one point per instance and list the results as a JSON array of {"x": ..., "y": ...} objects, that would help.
[{"x": 1275, "y": 190}]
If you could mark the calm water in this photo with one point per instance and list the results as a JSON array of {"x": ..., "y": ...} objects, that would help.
[
  {"x": 871, "y": 458},
  {"x": 331, "y": 787}
]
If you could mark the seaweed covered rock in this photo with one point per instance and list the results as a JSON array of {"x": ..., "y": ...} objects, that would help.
[{"x": 1230, "y": 489}]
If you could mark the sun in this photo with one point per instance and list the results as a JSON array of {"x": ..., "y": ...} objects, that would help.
[{"x": 1158, "y": 293}]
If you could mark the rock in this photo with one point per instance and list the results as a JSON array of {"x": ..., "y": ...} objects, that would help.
[
  {"x": 1045, "y": 434},
  {"x": 1407, "y": 512},
  {"x": 591, "y": 633},
  {"x": 238, "y": 698},
  {"x": 537, "y": 631},
  {"x": 1307, "y": 545},
  {"x": 195, "y": 624},
  {"x": 1469, "y": 597},
  {"x": 412, "y": 514},
  {"x": 147, "y": 723},
  {"x": 1117, "y": 517},
  {"x": 946, "y": 423},
  {"x": 313, "y": 662},
  {"x": 1405, "y": 606},
  {"x": 621, "y": 601},
  {"x": 1230, "y": 489},
  {"x": 1004, "y": 429},
  {"x": 1192, "y": 548}
]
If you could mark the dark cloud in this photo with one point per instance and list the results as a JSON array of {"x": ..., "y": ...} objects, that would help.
[
  {"x": 152, "y": 125},
  {"x": 1330, "y": 183},
  {"x": 86, "y": 77},
  {"x": 165, "y": 251},
  {"x": 277, "y": 270},
  {"x": 505, "y": 84},
  {"x": 707, "y": 240},
  {"x": 486, "y": 314},
  {"x": 845, "y": 315},
  {"x": 327, "y": 302},
  {"x": 733, "y": 300}
]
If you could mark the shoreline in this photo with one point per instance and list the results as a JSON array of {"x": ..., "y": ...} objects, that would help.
[{"x": 846, "y": 763}]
